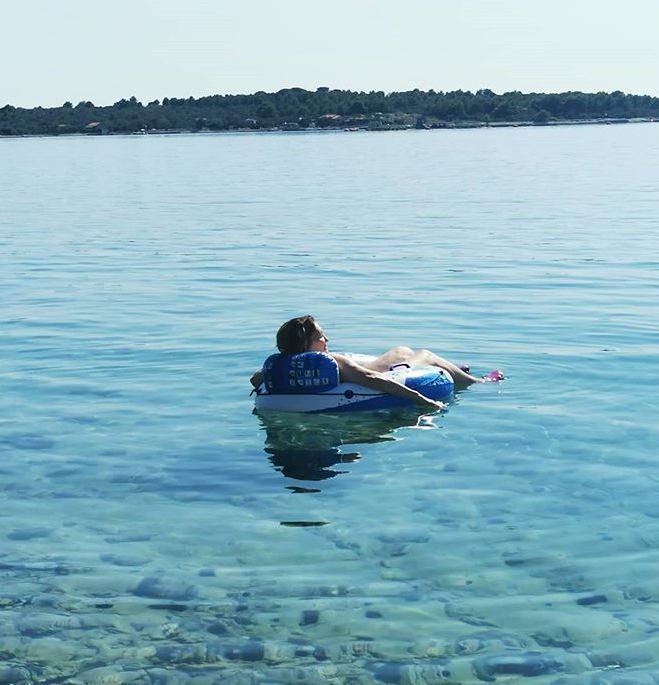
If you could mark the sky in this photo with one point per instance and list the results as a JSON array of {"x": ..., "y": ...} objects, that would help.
[{"x": 73, "y": 50}]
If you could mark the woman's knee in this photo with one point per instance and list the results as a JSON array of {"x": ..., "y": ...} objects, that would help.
[
  {"x": 422, "y": 357},
  {"x": 401, "y": 352}
]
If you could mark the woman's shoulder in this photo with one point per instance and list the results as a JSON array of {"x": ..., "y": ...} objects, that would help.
[
  {"x": 343, "y": 361},
  {"x": 340, "y": 357}
]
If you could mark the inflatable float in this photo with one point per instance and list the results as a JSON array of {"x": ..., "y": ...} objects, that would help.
[{"x": 309, "y": 382}]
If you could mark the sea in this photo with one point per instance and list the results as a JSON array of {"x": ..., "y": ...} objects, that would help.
[{"x": 155, "y": 530}]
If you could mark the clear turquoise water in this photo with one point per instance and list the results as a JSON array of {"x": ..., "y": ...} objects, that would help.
[{"x": 154, "y": 530}]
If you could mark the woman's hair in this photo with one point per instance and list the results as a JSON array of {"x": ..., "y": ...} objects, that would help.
[{"x": 294, "y": 336}]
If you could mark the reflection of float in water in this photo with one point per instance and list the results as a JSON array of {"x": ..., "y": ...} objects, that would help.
[{"x": 306, "y": 448}]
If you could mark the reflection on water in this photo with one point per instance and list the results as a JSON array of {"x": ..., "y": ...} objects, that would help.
[{"x": 308, "y": 446}]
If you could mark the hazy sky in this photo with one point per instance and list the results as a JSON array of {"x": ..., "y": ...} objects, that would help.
[{"x": 57, "y": 50}]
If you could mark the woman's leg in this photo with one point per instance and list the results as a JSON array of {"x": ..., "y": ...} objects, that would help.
[
  {"x": 428, "y": 358},
  {"x": 406, "y": 355},
  {"x": 396, "y": 355}
]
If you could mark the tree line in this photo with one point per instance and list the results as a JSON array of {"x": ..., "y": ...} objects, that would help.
[{"x": 297, "y": 108}]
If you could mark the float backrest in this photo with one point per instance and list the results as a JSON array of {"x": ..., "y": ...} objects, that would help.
[{"x": 309, "y": 372}]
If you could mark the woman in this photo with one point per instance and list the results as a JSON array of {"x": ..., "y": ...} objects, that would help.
[{"x": 303, "y": 334}]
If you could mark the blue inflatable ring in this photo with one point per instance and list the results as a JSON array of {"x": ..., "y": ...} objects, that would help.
[{"x": 308, "y": 384}]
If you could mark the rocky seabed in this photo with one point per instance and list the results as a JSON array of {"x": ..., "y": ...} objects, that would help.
[{"x": 165, "y": 629}]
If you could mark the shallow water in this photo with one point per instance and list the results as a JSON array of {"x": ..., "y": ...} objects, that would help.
[{"x": 155, "y": 530}]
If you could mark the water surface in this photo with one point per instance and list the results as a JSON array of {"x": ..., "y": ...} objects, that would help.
[{"x": 154, "y": 530}]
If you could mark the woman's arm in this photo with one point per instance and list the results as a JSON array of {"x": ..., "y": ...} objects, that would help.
[
  {"x": 257, "y": 379},
  {"x": 350, "y": 372}
]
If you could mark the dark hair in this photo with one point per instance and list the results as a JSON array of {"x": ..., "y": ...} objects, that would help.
[{"x": 294, "y": 336}]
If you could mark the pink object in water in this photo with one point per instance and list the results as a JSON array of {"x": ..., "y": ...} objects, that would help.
[{"x": 494, "y": 376}]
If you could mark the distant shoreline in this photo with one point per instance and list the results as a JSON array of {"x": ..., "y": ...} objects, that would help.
[
  {"x": 357, "y": 129},
  {"x": 296, "y": 109}
]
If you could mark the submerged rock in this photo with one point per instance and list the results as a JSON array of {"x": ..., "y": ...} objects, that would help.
[
  {"x": 218, "y": 628},
  {"x": 406, "y": 674},
  {"x": 317, "y": 674},
  {"x": 589, "y": 600},
  {"x": 309, "y": 617},
  {"x": 128, "y": 537},
  {"x": 29, "y": 533},
  {"x": 168, "y": 676},
  {"x": 123, "y": 560},
  {"x": 158, "y": 588},
  {"x": 480, "y": 641},
  {"x": 251, "y": 651},
  {"x": 527, "y": 665},
  {"x": 43, "y": 624},
  {"x": 14, "y": 675},
  {"x": 181, "y": 654}
]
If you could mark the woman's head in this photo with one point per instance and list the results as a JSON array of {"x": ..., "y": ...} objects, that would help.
[{"x": 301, "y": 334}]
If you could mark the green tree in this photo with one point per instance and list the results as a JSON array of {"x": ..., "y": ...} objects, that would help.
[
  {"x": 542, "y": 117},
  {"x": 266, "y": 111},
  {"x": 357, "y": 107},
  {"x": 502, "y": 112},
  {"x": 455, "y": 109}
]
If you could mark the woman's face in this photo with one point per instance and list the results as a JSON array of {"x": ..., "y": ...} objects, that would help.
[{"x": 318, "y": 341}]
